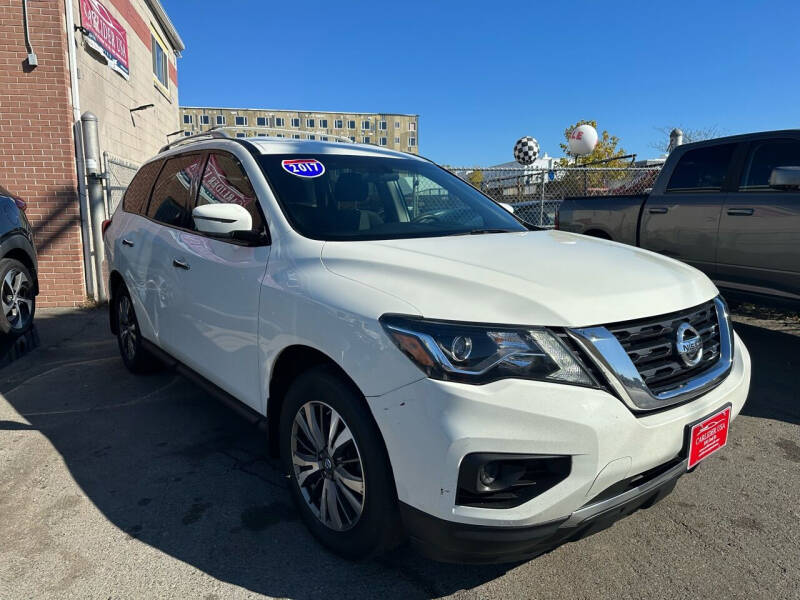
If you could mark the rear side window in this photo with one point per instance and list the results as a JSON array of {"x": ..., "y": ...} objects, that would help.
[
  {"x": 702, "y": 170},
  {"x": 135, "y": 199},
  {"x": 224, "y": 180},
  {"x": 170, "y": 201},
  {"x": 765, "y": 156}
]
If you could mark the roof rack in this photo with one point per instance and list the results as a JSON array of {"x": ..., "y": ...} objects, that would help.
[{"x": 218, "y": 131}]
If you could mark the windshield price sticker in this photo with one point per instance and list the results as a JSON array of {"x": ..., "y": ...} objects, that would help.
[{"x": 303, "y": 167}]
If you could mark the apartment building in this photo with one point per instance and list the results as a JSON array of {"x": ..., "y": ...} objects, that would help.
[{"x": 395, "y": 131}]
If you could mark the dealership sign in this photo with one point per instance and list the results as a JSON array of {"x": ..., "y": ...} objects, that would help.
[{"x": 105, "y": 35}]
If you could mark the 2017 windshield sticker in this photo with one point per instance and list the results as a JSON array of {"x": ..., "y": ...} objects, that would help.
[{"x": 303, "y": 167}]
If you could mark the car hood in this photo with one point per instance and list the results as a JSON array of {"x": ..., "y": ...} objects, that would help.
[{"x": 533, "y": 278}]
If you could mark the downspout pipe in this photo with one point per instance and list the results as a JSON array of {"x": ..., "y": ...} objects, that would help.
[{"x": 77, "y": 134}]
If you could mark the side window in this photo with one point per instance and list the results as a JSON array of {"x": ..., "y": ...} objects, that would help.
[
  {"x": 170, "y": 199},
  {"x": 702, "y": 170},
  {"x": 135, "y": 199},
  {"x": 224, "y": 180},
  {"x": 765, "y": 156}
]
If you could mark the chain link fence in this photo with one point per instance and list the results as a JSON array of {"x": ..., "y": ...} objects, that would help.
[
  {"x": 119, "y": 174},
  {"x": 536, "y": 193}
]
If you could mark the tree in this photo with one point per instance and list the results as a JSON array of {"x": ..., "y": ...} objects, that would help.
[
  {"x": 607, "y": 147},
  {"x": 689, "y": 135},
  {"x": 476, "y": 178}
]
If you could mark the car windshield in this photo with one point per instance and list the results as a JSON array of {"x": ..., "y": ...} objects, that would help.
[{"x": 347, "y": 197}]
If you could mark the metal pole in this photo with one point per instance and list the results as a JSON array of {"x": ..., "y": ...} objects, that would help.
[
  {"x": 541, "y": 203},
  {"x": 91, "y": 150}
]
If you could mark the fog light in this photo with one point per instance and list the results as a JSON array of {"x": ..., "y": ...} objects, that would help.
[
  {"x": 494, "y": 480},
  {"x": 488, "y": 473}
]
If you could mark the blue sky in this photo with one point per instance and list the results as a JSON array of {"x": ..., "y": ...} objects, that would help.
[{"x": 483, "y": 74}]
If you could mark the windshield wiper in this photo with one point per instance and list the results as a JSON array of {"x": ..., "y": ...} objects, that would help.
[{"x": 482, "y": 231}]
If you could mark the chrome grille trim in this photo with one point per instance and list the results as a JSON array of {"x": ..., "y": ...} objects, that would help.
[{"x": 616, "y": 364}]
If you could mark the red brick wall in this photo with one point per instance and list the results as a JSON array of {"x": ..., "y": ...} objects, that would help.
[{"x": 37, "y": 154}]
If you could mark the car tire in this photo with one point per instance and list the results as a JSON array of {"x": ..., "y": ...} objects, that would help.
[
  {"x": 129, "y": 338},
  {"x": 17, "y": 299},
  {"x": 322, "y": 392}
]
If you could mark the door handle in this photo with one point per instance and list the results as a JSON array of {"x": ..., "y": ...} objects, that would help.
[
  {"x": 740, "y": 212},
  {"x": 658, "y": 210},
  {"x": 180, "y": 264},
  {"x": 127, "y": 242}
]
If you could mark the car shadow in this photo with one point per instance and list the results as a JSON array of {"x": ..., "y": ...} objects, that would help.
[
  {"x": 171, "y": 467},
  {"x": 774, "y": 389}
]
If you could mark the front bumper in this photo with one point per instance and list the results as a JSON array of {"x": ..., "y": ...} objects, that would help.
[
  {"x": 429, "y": 426},
  {"x": 455, "y": 542}
]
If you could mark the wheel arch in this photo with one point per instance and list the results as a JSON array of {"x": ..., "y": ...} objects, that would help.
[{"x": 17, "y": 252}]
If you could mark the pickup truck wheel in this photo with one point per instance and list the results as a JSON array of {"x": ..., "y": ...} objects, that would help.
[
  {"x": 129, "y": 337},
  {"x": 339, "y": 473},
  {"x": 16, "y": 297}
]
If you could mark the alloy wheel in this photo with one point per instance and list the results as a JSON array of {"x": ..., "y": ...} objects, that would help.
[
  {"x": 327, "y": 466},
  {"x": 127, "y": 327},
  {"x": 16, "y": 300}
]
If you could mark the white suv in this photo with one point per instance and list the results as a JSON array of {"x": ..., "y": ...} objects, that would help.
[{"x": 428, "y": 367}]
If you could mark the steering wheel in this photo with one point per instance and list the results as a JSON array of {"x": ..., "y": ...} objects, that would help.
[{"x": 432, "y": 217}]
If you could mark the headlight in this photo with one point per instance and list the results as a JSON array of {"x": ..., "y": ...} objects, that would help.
[{"x": 477, "y": 354}]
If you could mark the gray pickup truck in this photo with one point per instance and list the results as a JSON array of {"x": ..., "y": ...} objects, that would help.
[{"x": 729, "y": 206}]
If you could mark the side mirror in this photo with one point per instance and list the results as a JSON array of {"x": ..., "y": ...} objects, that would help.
[
  {"x": 222, "y": 219},
  {"x": 785, "y": 178}
]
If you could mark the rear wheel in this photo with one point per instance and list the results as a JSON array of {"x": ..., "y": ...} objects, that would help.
[
  {"x": 339, "y": 472},
  {"x": 16, "y": 297},
  {"x": 129, "y": 337}
]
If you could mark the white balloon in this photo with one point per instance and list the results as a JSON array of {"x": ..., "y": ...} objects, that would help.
[{"x": 582, "y": 140}]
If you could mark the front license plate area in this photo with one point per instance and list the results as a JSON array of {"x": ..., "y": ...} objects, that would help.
[{"x": 708, "y": 435}]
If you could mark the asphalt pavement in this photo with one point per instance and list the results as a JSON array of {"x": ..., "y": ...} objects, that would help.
[{"x": 117, "y": 486}]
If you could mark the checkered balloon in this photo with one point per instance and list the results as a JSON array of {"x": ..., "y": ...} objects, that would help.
[{"x": 526, "y": 150}]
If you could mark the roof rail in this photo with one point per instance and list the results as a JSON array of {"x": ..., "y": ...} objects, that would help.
[
  {"x": 214, "y": 132},
  {"x": 218, "y": 131}
]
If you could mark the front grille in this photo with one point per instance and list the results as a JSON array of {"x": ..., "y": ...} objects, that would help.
[{"x": 650, "y": 344}]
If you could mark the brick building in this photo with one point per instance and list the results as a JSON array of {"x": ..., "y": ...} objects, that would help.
[{"x": 122, "y": 56}]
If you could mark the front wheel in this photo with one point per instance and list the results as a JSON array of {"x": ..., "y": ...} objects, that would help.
[
  {"x": 339, "y": 472},
  {"x": 16, "y": 297}
]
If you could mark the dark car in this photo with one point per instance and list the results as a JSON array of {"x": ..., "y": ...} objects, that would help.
[
  {"x": 18, "y": 280},
  {"x": 729, "y": 206}
]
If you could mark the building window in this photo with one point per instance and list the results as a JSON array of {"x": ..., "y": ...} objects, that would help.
[
  {"x": 365, "y": 139},
  {"x": 261, "y": 121},
  {"x": 412, "y": 126},
  {"x": 240, "y": 134},
  {"x": 160, "y": 61},
  {"x": 383, "y": 141},
  {"x": 187, "y": 119},
  {"x": 352, "y": 138},
  {"x": 397, "y": 141},
  {"x": 295, "y": 122},
  {"x": 204, "y": 119},
  {"x": 280, "y": 122},
  {"x": 383, "y": 125},
  {"x": 412, "y": 142},
  {"x": 338, "y": 124},
  {"x": 296, "y": 136},
  {"x": 262, "y": 134},
  {"x": 324, "y": 138},
  {"x": 364, "y": 124},
  {"x": 241, "y": 120},
  {"x": 187, "y": 133},
  {"x": 397, "y": 124},
  {"x": 312, "y": 137},
  {"x": 279, "y": 135},
  {"x": 309, "y": 122},
  {"x": 351, "y": 124},
  {"x": 220, "y": 119},
  {"x": 323, "y": 123}
]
